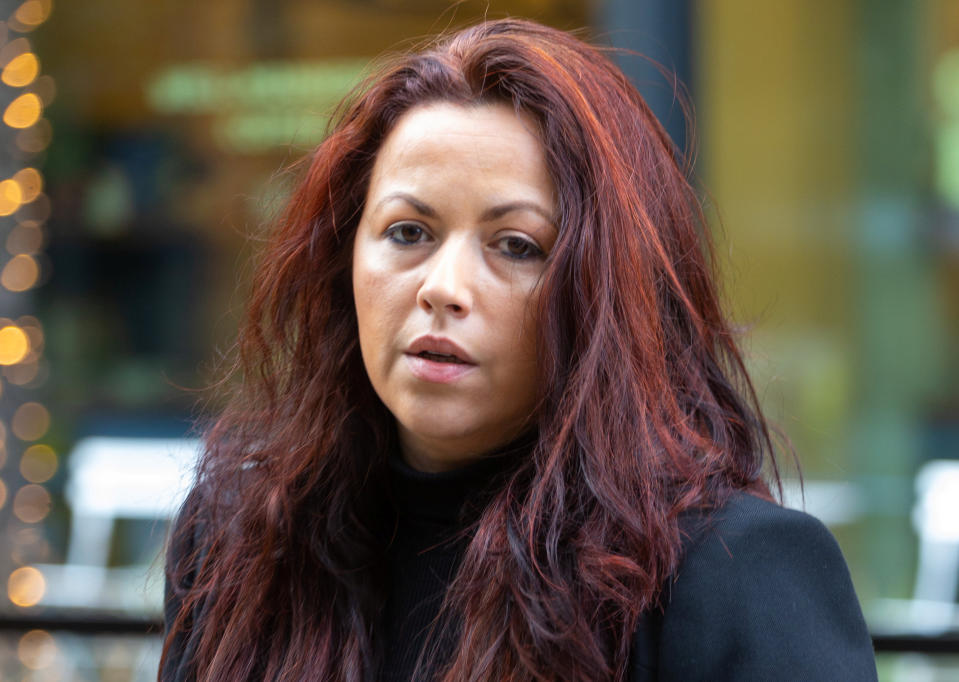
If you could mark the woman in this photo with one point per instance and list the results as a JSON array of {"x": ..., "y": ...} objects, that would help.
[{"x": 491, "y": 423}]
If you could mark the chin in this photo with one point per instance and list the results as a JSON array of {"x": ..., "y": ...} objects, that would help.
[
  {"x": 438, "y": 428},
  {"x": 454, "y": 437}
]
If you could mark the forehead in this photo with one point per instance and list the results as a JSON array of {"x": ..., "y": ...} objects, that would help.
[
  {"x": 480, "y": 123},
  {"x": 441, "y": 140}
]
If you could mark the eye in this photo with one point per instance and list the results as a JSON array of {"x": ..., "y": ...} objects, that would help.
[
  {"x": 406, "y": 233},
  {"x": 519, "y": 248}
]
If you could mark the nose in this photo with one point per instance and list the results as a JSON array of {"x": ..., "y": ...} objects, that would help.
[{"x": 447, "y": 287}]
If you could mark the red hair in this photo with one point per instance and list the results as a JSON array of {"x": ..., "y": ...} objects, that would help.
[{"x": 646, "y": 410}]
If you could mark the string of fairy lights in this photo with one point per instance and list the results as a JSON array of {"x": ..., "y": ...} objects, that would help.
[{"x": 27, "y": 463}]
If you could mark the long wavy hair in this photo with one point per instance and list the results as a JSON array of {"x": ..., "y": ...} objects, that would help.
[{"x": 645, "y": 410}]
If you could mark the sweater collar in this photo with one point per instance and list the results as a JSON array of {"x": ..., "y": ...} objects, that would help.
[{"x": 443, "y": 497}]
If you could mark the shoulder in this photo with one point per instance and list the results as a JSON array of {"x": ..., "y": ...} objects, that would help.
[
  {"x": 185, "y": 551},
  {"x": 204, "y": 513},
  {"x": 763, "y": 592},
  {"x": 750, "y": 534},
  {"x": 187, "y": 529}
]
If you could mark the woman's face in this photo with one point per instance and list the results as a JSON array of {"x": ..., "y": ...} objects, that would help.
[{"x": 455, "y": 232}]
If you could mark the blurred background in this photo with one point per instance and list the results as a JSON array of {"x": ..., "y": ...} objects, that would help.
[{"x": 142, "y": 143}]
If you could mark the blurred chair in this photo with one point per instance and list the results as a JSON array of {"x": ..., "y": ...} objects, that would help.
[
  {"x": 835, "y": 503},
  {"x": 112, "y": 478},
  {"x": 936, "y": 520}
]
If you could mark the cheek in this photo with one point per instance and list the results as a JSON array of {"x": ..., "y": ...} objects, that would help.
[
  {"x": 519, "y": 334},
  {"x": 379, "y": 315},
  {"x": 525, "y": 311},
  {"x": 367, "y": 286}
]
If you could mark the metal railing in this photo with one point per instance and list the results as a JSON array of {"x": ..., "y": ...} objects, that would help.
[{"x": 109, "y": 624}]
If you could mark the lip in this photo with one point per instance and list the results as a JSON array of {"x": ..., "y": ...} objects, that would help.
[
  {"x": 436, "y": 372},
  {"x": 438, "y": 344},
  {"x": 433, "y": 371}
]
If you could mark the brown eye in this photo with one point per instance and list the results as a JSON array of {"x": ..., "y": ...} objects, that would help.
[
  {"x": 406, "y": 233},
  {"x": 518, "y": 248}
]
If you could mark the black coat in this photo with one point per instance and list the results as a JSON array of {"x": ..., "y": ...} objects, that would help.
[{"x": 763, "y": 593}]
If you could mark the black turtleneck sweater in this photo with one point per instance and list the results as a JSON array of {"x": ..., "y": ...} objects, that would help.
[{"x": 434, "y": 511}]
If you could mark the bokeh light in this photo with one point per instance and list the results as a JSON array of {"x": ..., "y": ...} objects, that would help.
[
  {"x": 34, "y": 330},
  {"x": 30, "y": 421},
  {"x": 39, "y": 463},
  {"x": 32, "y": 13},
  {"x": 37, "y": 649},
  {"x": 37, "y": 210},
  {"x": 21, "y": 70},
  {"x": 30, "y": 182},
  {"x": 25, "y": 238},
  {"x": 11, "y": 197},
  {"x": 31, "y": 371},
  {"x": 20, "y": 273},
  {"x": 45, "y": 88},
  {"x": 29, "y": 546},
  {"x": 26, "y": 586},
  {"x": 24, "y": 373},
  {"x": 14, "y": 345},
  {"x": 36, "y": 138},
  {"x": 13, "y": 49},
  {"x": 32, "y": 503},
  {"x": 24, "y": 111},
  {"x": 3, "y": 493}
]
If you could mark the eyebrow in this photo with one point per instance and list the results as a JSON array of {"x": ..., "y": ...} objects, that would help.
[
  {"x": 421, "y": 208},
  {"x": 492, "y": 213},
  {"x": 502, "y": 209}
]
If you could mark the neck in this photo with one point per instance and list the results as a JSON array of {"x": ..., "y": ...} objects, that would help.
[
  {"x": 443, "y": 495},
  {"x": 439, "y": 455}
]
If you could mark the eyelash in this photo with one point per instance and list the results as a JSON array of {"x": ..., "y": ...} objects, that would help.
[
  {"x": 394, "y": 231},
  {"x": 530, "y": 250}
]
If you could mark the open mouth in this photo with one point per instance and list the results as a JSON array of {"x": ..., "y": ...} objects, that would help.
[{"x": 440, "y": 357}]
